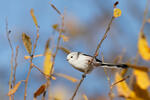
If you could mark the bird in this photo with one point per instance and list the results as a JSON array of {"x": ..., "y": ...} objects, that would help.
[{"x": 81, "y": 62}]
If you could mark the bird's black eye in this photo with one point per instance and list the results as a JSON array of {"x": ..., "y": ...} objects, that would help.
[{"x": 71, "y": 56}]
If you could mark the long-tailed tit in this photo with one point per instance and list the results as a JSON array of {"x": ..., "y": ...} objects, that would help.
[{"x": 81, "y": 62}]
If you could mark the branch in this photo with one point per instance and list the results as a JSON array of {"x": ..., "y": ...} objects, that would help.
[
  {"x": 15, "y": 67},
  {"x": 57, "y": 47},
  {"x": 31, "y": 59},
  {"x": 144, "y": 18},
  {"x": 78, "y": 85},
  {"x": 95, "y": 54},
  {"x": 119, "y": 81},
  {"x": 12, "y": 55}
]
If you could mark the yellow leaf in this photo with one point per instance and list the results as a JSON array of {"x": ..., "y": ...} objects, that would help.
[
  {"x": 117, "y": 12},
  {"x": 65, "y": 38},
  {"x": 142, "y": 79},
  {"x": 64, "y": 49},
  {"x": 40, "y": 90},
  {"x": 27, "y": 42},
  {"x": 67, "y": 77},
  {"x": 122, "y": 87},
  {"x": 143, "y": 47},
  {"x": 12, "y": 91},
  {"x": 141, "y": 94},
  {"x": 56, "y": 27},
  {"x": 85, "y": 97},
  {"x": 47, "y": 62},
  {"x": 33, "y": 17},
  {"x": 53, "y": 78},
  {"x": 148, "y": 20}
]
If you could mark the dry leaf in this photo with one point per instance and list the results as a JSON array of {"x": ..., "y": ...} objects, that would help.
[
  {"x": 40, "y": 90},
  {"x": 142, "y": 79},
  {"x": 28, "y": 57},
  {"x": 143, "y": 47},
  {"x": 53, "y": 78},
  {"x": 47, "y": 62},
  {"x": 141, "y": 94},
  {"x": 56, "y": 27},
  {"x": 72, "y": 79},
  {"x": 33, "y": 17},
  {"x": 65, "y": 38},
  {"x": 148, "y": 20},
  {"x": 12, "y": 91},
  {"x": 117, "y": 12},
  {"x": 122, "y": 87},
  {"x": 47, "y": 45},
  {"x": 85, "y": 97},
  {"x": 64, "y": 49},
  {"x": 27, "y": 42}
]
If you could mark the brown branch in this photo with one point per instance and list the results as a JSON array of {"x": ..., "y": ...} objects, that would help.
[
  {"x": 144, "y": 18},
  {"x": 15, "y": 67},
  {"x": 57, "y": 47},
  {"x": 31, "y": 59},
  {"x": 95, "y": 54},
  {"x": 119, "y": 81},
  {"x": 12, "y": 55},
  {"x": 104, "y": 37},
  {"x": 78, "y": 85},
  {"x": 108, "y": 79}
]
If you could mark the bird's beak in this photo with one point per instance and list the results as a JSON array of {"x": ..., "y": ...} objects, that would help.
[{"x": 67, "y": 59}]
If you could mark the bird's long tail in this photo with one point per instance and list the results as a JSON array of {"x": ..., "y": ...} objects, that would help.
[{"x": 108, "y": 65}]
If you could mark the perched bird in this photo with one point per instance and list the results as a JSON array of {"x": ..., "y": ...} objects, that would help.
[{"x": 82, "y": 61}]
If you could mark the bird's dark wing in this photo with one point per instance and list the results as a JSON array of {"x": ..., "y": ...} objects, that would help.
[{"x": 92, "y": 56}]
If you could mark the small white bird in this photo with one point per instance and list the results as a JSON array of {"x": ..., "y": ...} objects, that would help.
[{"x": 81, "y": 62}]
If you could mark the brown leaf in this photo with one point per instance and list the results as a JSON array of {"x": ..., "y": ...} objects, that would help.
[
  {"x": 85, "y": 97},
  {"x": 143, "y": 47},
  {"x": 33, "y": 17},
  {"x": 47, "y": 45},
  {"x": 141, "y": 94},
  {"x": 72, "y": 79},
  {"x": 148, "y": 20},
  {"x": 123, "y": 88},
  {"x": 28, "y": 57},
  {"x": 27, "y": 42},
  {"x": 40, "y": 90},
  {"x": 64, "y": 49},
  {"x": 12, "y": 91}
]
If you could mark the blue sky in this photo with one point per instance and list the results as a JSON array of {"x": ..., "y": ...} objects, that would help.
[{"x": 19, "y": 19}]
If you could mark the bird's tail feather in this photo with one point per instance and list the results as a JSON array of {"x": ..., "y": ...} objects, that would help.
[{"x": 107, "y": 65}]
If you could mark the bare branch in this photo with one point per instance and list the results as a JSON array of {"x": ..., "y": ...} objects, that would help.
[
  {"x": 31, "y": 59},
  {"x": 15, "y": 67},
  {"x": 95, "y": 54},
  {"x": 12, "y": 55}
]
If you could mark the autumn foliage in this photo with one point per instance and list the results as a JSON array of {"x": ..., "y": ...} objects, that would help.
[{"x": 133, "y": 86}]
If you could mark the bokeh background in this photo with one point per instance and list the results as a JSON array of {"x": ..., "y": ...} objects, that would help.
[{"x": 87, "y": 21}]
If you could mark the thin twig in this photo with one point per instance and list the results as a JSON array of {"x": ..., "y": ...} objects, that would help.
[
  {"x": 119, "y": 81},
  {"x": 104, "y": 37},
  {"x": 37, "y": 68},
  {"x": 31, "y": 59},
  {"x": 57, "y": 47},
  {"x": 78, "y": 85},
  {"x": 12, "y": 55},
  {"x": 15, "y": 67},
  {"x": 145, "y": 13},
  {"x": 95, "y": 54},
  {"x": 108, "y": 79}
]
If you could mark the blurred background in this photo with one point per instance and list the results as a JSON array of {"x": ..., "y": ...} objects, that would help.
[{"x": 85, "y": 21}]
